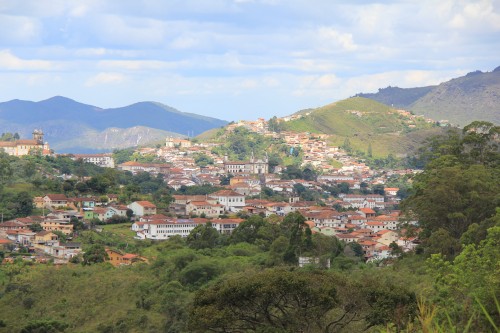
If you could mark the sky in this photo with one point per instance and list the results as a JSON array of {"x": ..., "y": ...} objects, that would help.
[{"x": 238, "y": 59}]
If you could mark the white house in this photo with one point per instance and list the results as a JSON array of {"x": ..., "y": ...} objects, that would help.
[
  {"x": 141, "y": 208},
  {"x": 231, "y": 200}
]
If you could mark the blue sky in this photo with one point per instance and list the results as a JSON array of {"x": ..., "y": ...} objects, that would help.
[{"x": 238, "y": 59}]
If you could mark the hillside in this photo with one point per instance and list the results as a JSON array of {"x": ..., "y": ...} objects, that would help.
[
  {"x": 475, "y": 96},
  {"x": 68, "y": 124},
  {"x": 366, "y": 122}
]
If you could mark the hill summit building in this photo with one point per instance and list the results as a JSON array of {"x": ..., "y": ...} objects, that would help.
[
  {"x": 254, "y": 166},
  {"x": 23, "y": 147}
]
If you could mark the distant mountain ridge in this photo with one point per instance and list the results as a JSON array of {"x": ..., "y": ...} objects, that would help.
[
  {"x": 68, "y": 124},
  {"x": 475, "y": 96}
]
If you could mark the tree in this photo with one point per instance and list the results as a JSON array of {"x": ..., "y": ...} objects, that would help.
[
  {"x": 248, "y": 231},
  {"x": 454, "y": 197},
  {"x": 378, "y": 189},
  {"x": 24, "y": 204},
  {"x": 203, "y": 236},
  {"x": 95, "y": 254},
  {"x": 471, "y": 279},
  {"x": 45, "y": 326},
  {"x": 282, "y": 300},
  {"x": 35, "y": 227}
]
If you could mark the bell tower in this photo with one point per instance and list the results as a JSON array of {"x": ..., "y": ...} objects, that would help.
[{"x": 38, "y": 136}]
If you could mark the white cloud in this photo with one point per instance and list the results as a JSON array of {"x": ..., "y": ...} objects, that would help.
[
  {"x": 105, "y": 79},
  {"x": 9, "y": 61}
]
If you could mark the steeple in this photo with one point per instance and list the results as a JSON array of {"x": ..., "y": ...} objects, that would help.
[{"x": 38, "y": 136}]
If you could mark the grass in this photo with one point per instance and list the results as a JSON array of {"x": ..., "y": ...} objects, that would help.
[
  {"x": 122, "y": 230},
  {"x": 365, "y": 122}
]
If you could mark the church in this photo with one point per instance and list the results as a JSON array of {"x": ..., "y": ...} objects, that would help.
[
  {"x": 254, "y": 166},
  {"x": 23, "y": 147}
]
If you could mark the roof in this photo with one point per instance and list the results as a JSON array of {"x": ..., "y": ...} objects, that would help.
[
  {"x": 58, "y": 197},
  {"x": 146, "y": 204},
  {"x": 367, "y": 210},
  {"x": 227, "y": 193}
]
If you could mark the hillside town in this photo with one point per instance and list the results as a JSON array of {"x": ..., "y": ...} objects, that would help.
[{"x": 365, "y": 211}]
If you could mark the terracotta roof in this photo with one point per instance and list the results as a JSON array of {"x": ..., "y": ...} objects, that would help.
[
  {"x": 146, "y": 204},
  {"x": 58, "y": 197},
  {"x": 227, "y": 193}
]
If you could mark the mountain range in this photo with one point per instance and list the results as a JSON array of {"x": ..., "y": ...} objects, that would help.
[
  {"x": 70, "y": 126},
  {"x": 475, "y": 96}
]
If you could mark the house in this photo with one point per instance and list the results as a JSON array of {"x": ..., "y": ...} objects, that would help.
[
  {"x": 141, "y": 208},
  {"x": 64, "y": 250},
  {"x": 231, "y": 200},
  {"x": 55, "y": 225},
  {"x": 164, "y": 228},
  {"x": 45, "y": 238},
  {"x": 13, "y": 225},
  {"x": 226, "y": 226},
  {"x": 204, "y": 208},
  {"x": 55, "y": 201},
  {"x": 391, "y": 191},
  {"x": 386, "y": 237},
  {"x": 102, "y": 160},
  {"x": 117, "y": 258},
  {"x": 116, "y": 210}
]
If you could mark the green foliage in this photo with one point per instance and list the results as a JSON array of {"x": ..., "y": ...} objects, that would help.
[
  {"x": 470, "y": 284},
  {"x": 203, "y": 236},
  {"x": 283, "y": 300},
  {"x": 94, "y": 254},
  {"x": 45, "y": 326},
  {"x": 202, "y": 160},
  {"x": 461, "y": 182}
]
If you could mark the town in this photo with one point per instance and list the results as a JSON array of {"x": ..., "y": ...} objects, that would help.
[{"x": 344, "y": 198}]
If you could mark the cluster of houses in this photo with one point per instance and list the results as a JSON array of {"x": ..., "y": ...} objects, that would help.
[{"x": 353, "y": 220}]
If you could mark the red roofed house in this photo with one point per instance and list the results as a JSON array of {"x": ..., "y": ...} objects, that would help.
[
  {"x": 231, "y": 200},
  {"x": 141, "y": 208},
  {"x": 55, "y": 200}
]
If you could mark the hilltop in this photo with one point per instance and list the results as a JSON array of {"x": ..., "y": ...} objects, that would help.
[
  {"x": 69, "y": 125},
  {"x": 475, "y": 96},
  {"x": 366, "y": 122}
]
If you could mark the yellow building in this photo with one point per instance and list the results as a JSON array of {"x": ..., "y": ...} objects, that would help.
[
  {"x": 25, "y": 146},
  {"x": 64, "y": 227}
]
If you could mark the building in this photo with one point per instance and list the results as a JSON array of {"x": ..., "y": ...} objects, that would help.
[
  {"x": 136, "y": 167},
  {"x": 231, "y": 200},
  {"x": 165, "y": 228},
  {"x": 171, "y": 142},
  {"x": 24, "y": 147},
  {"x": 117, "y": 258},
  {"x": 55, "y": 200},
  {"x": 102, "y": 160},
  {"x": 254, "y": 166},
  {"x": 141, "y": 208}
]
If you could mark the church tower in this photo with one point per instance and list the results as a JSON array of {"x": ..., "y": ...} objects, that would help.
[{"x": 38, "y": 136}]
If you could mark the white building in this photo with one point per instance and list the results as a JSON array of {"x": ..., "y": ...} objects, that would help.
[
  {"x": 141, "y": 208},
  {"x": 231, "y": 200},
  {"x": 102, "y": 160}
]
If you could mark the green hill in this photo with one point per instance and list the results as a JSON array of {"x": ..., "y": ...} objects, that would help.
[
  {"x": 364, "y": 122},
  {"x": 475, "y": 96}
]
